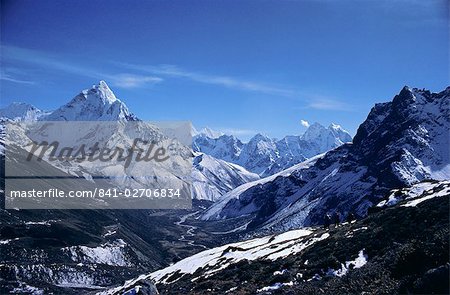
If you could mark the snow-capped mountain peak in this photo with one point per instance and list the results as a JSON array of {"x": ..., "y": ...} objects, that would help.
[
  {"x": 206, "y": 132},
  {"x": 327, "y": 138},
  {"x": 20, "y": 111},
  {"x": 340, "y": 133},
  {"x": 95, "y": 104},
  {"x": 261, "y": 144},
  {"x": 314, "y": 132},
  {"x": 260, "y": 137},
  {"x": 225, "y": 147},
  {"x": 336, "y": 128},
  {"x": 103, "y": 91}
]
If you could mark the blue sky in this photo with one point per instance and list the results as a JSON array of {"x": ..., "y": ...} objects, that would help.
[{"x": 238, "y": 66}]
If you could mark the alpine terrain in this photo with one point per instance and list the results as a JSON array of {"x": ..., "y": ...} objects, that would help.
[
  {"x": 400, "y": 143},
  {"x": 315, "y": 213}
]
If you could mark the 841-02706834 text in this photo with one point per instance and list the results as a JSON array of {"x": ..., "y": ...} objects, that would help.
[{"x": 98, "y": 193}]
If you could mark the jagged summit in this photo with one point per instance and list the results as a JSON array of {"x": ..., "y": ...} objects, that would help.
[
  {"x": 265, "y": 156},
  {"x": 21, "y": 111},
  {"x": 103, "y": 91},
  {"x": 259, "y": 137},
  {"x": 335, "y": 126},
  {"x": 314, "y": 131},
  {"x": 95, "y": 104},
  {"x": 326, "y": 138},
  {"x": 206, "y": 132}
]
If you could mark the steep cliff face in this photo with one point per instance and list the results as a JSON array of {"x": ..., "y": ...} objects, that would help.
[{"x": 400, "y": 143}]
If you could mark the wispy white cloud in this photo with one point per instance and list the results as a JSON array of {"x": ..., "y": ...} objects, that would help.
[
  {"x": 9, "y": 78},
  {"x": 230, "y": 82},
  {"x": 123, "y": 80},
  {"x": 134, "y": 76},
  {"x": 132, "y": 81},
  {"x": 328, "y": 105},
  {"x": 304, "y": 123},
  {"x": 312, "y": 100}
]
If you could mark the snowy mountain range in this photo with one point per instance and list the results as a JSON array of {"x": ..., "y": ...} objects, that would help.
[
  {"x": 222, "y": 161},
  {"x": 97, "y": 103},
  {"x": 400, "y": 143},
  {"x": 100, "y": 104},
  {"x": 211, "y": 177},
  {"x": 266, "y": 156}
]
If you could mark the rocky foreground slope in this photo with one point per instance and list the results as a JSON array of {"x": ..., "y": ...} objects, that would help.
[{"x": 398, "y": 248}]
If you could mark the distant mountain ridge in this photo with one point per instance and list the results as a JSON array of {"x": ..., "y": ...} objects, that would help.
[
  {"x": 208, "y": 132},
  {"x": 20, "y": 111},
  {"x": 266, "y": 156},
  {"x": 97, "y": 103},
  {"x": 261, "y": 155},
  {"x": 224, "y": 162}
]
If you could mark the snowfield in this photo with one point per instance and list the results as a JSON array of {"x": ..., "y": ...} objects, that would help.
[
  {"x": 417, "y": 193},
  {"x": 212, "y": 178},
  {"x": 213, "y": 260},
  {"x": 358, "y": 262},
  {"x": 108, "y": 253}
]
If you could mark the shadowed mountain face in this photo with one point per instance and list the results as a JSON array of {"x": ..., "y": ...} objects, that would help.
[
  {"x": 400, "y": 143},
  {"x": 401, "y": 248}
]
